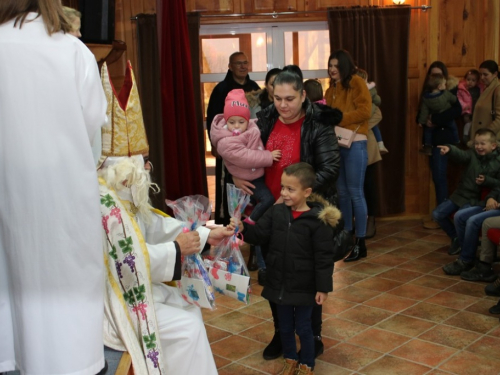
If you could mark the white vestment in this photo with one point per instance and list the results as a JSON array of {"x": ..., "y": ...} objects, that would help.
[
  {"x": 51, "y": 266},
  {"x": 184, "y": 343}
]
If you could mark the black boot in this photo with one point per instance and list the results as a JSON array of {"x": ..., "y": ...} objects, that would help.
[
  {"x": 252, "y": 260},
  {"x": 358, "y": 250},
  {"x": 274, "y": 349},
  {"x": 318, "y": 346},
  {"x": 371, "y": 230}
]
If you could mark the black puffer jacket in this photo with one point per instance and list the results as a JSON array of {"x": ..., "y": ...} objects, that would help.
[
  {"x": 318, "y": 143},
  {"x": 300, "y": 258}
]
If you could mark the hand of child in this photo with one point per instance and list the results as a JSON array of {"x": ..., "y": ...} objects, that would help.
[
  {"x": 480, "y": 179},
  {"x": 244, "y": 185},
  {"x": 276, "y": 155},
  {"x": 321, "y": 297},
  {"x": 491, "y": 204},
  {"x": 429, "y": 123},
  {"x": 444, "y": 149},
  {"x": 216, "y": 235},
  {"x": 235, "y": 223}
]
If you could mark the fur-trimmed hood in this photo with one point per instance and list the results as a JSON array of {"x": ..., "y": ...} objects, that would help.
[
  {"x": 451, "y": 82},
  {"x": 325, "y": 115},
  {"x": 329, "y": 214}
]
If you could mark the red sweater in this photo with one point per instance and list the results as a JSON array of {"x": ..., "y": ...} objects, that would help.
[{"x": 284, "y": 137}]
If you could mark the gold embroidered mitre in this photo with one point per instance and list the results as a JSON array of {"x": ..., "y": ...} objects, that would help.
[{"x": 124, "y": 134}]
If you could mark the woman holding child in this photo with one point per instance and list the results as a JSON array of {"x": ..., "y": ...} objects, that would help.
[
  {"x": 487, "y": 110},
  {"x": 303, "y": 132},
  {"x": 444, "y": 131}
]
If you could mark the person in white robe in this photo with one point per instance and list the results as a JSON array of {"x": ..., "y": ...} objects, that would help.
[
  {"x": 142, "y": 249},
  {"x": 51, "y": 266}
]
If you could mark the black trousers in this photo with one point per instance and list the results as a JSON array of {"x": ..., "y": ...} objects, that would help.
[{"x": 316, "y": 320}]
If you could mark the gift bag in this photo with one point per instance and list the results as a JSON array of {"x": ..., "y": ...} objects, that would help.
[
  {"x": 228, "y": 271},
  {"x": 195, "y": 286}
]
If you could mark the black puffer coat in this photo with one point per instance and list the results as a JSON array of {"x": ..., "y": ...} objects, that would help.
[
  {"x": 318, "y": 143},
  {"x": 300, "y": 258}
]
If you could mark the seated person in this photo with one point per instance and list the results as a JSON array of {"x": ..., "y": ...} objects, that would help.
[
  {"x": 468, "y": 222},
  {"x": 482, "y": 163},
  {"x": 142, "y": 250}
]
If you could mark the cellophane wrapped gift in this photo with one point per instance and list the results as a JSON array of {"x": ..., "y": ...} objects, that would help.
[
  {"x": 228, "y": 271},
  {"x": 195, "y": 285}
]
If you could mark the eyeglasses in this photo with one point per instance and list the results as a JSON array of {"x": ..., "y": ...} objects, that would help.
[{"x": 239, "y": 63}]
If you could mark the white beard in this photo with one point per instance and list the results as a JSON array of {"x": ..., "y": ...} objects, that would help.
[{"x": 132, "y": 182}]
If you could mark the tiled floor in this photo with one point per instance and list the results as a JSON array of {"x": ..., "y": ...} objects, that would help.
[{"x": 394, "y": 312}]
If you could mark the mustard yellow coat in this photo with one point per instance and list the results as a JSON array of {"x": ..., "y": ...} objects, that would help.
[{"x": 355, "y": 103}]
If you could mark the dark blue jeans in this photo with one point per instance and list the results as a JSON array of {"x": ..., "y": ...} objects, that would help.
[
  {"x": 297, "y": 319},
  {"x": 442, "y": 213},
  {"x": 263, "y": 197},
  {"x": 350, "y": 184},
  {"x": 377, "y": 133},
  {"x": 439, "y": 166},
  {"x": 468, "y": 223}
]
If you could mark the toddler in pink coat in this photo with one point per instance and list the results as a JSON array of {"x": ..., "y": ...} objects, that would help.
[{"x": 238, "y": 142}]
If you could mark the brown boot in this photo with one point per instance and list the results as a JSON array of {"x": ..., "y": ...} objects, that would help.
[
  {"x": 304, "y": 370},
  {"x": 289, "y": 367}
]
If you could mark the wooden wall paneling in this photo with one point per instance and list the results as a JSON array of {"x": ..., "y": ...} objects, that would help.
[
  {"x": 275, "y": 5},
  {"x": 215, "y": 6},
  {"x": 323, "y": 4},
  {"x": 490, "y": 32},
  {"x": 458, "y": 21}
]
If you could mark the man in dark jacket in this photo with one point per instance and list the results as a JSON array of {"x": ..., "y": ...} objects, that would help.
[{"x": 236, "y": 78}]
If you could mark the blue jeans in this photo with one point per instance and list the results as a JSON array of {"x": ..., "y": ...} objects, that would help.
[
  {"x": 377, "y": 133},
  {"x": 427, "y": 136},
  {"x": 439, "y": 166},
  {"x": 353, "y": 163},
  {"x": 297, "y": 319},
  {"x": 442, "y": 213},
  {"x": 468, "y": 223},
  {"x": 263, "y": 197}
]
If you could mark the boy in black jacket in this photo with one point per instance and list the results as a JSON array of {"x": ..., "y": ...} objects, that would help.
[{"x": 300, "y": 233}]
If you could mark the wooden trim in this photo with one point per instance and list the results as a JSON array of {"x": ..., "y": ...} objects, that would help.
[{"x": 125, "y": 365}]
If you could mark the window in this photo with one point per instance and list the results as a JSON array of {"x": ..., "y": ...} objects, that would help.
[{"x": 267, "y": 46}]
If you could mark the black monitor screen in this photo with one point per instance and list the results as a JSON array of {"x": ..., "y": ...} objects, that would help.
[{"x": 98, "y": 21}]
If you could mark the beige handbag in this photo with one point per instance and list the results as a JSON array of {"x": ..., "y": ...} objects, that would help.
[{"x": 345, "y": 136}]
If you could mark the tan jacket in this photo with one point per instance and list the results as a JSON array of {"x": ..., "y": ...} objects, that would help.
[
  {"x": 372, "y": 145},
  {"x": 355, "y": 103},
  {"x": 482, "y": 112}
]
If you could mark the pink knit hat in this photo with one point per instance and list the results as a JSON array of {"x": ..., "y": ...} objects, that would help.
[{"x": 236, "y": 105}]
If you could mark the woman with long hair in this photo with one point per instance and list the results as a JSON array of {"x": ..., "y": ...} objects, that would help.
[
  {"x": 52, "y": 106},
  {"x": 348, "y": 92}
]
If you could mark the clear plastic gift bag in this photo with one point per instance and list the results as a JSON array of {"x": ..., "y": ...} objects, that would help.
[
  {"x": 228, "y": 271},
  {"x": 195, "y": 285}
]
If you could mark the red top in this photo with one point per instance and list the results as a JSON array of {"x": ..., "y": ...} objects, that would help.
[
  {"x": 296, "y": 214},
  {"x": 284, "y": 137}
]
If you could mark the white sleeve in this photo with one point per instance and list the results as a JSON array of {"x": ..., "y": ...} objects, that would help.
[
  {"x": 92, "y": 99},
  {"x": 160, "y": 236}
]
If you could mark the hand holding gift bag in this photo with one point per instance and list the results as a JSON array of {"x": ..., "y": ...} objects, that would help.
[
  {"x": 228, "y": 272},
  {"x": 196, "y": 288}
]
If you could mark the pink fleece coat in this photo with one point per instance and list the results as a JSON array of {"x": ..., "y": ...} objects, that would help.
[
  {"x": 465, "y": 98},
  {"x": 244, "y": 155}
]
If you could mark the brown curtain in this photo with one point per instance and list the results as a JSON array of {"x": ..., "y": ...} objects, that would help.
[
  {"x": 378, "y": 40},
  {"x": 149, "y": 90}
]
